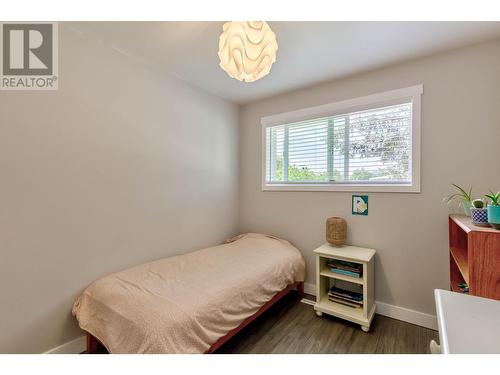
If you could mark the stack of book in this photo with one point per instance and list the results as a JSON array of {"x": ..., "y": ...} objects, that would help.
[
  {"x": 343, "y": 267},
  {"x": 463, "y": 287},
  {"x": 345, "y": 297}
]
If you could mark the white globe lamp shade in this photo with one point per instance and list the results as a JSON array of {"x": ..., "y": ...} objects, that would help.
[{"x": 247, "y": 50}]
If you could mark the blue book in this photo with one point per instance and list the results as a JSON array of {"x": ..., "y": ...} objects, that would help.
[{"x": 344, "y": 272}]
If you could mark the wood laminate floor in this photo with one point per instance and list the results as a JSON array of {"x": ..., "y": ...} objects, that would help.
[{"x": 293, "y": 327}]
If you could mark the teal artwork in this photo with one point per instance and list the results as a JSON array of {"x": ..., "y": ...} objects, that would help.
[{"x": 360, "y": 205}]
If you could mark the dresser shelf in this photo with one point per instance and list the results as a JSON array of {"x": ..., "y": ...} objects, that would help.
[
  {"x": 326, "y": 272},
  {"x": 459, "y": 256},
  {"x": 474, "y": 257}
]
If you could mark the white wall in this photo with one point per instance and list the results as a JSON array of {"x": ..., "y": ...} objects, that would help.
[
  {"x": 117, "y": 167},
  {"x": 121, "y": 166},
  {"x": 460, "y": 144}
]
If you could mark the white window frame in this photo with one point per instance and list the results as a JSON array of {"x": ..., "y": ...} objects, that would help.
[{"x": 382, "y": 99}]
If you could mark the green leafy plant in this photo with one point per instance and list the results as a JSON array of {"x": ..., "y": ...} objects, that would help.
[
  {"x": 495, "y": 198},
  {"x": 478, "y": 203},
  {"x": 463, "y": 197}
]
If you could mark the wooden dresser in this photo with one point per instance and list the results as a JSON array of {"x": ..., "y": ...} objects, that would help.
[{"x": 474, "y": 257}]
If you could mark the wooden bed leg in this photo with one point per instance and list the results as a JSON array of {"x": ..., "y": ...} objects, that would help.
[
  {"x": 300, "y": 288},
  {"x": 91, "y": 344}
]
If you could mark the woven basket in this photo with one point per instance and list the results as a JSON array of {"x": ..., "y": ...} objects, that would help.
[{"x": 336, "y": 231}]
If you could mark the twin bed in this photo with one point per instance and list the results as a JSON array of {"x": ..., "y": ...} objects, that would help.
[{"x": 190, "y": 303}]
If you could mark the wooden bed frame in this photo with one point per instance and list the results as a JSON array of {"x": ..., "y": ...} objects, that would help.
[{"x": 92, "y": 342}]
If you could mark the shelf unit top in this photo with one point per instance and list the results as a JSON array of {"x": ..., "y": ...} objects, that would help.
[
  {"x": 465, "y": 223},
  {"x": 355, "y": 253}
]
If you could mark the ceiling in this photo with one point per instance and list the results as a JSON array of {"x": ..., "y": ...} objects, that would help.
[{"x": 308, "y": 52}]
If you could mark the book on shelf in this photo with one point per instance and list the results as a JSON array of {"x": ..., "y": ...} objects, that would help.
[
  {"x": 355, "y": 267},
  {"x": 344, "y": 302},
  {"x": 359, "y": 302},
  {"x": 345, "y": 272},
  {"x": 345, "y": 297},
  {"x": 463, "y": 287},
  {"x": 346, "y": 268}
]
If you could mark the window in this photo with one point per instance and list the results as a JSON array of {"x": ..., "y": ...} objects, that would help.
[{"x": 365, "y": 144}]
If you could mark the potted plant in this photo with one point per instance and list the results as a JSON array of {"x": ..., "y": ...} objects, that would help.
[
  {"x": 494, "y": 210},
  {"x": 464, "y": 199},
  {"x": 479, "y": 213}
]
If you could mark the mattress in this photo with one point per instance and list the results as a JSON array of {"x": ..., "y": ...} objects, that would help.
[{"x": 185, "y": 303}]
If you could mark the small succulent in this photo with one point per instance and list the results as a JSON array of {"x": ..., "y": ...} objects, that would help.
[
  {"x": 478, "y": 203},
  {"x": 495, "y": 198}
]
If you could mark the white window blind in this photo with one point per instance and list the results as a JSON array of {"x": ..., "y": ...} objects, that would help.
[{"x": 372, "y": 146}]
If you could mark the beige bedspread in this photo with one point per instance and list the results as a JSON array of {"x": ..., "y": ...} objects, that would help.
[{"x": 184, "y": 304}]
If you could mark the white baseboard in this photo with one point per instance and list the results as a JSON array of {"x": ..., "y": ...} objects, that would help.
[
  {"x": 310, "y": 289},
  {"x": 400, "y": 313},
  {"x": 308, "y": 301},
  {"x": 407, "y": 315},
  {"x": 75, "y": 346}
]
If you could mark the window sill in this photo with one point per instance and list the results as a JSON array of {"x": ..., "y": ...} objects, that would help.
[{"x": 373, "y": 188}]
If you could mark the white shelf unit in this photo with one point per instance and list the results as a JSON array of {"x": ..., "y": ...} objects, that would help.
[{"x": 326, "y": 278}]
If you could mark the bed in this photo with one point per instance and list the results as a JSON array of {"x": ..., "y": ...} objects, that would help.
[{"x": 190, "y": 303}]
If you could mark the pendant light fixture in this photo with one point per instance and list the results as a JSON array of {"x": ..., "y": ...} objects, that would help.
[{"x": 247, "y": 50}]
